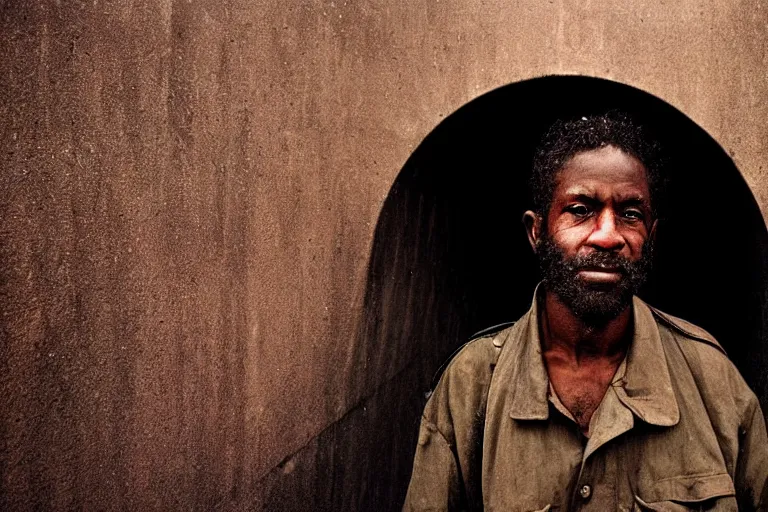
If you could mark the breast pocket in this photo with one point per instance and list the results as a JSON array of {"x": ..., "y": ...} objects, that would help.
[{"x": 698, "y": 492}]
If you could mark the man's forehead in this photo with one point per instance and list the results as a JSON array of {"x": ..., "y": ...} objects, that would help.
[{"x": 600, "y": 167}]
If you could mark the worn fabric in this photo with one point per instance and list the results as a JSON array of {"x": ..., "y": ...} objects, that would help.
[{"x": 678, "y": 429}]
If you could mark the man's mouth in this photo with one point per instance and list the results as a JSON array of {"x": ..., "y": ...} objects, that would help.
[{"x": 600, "y": 274}]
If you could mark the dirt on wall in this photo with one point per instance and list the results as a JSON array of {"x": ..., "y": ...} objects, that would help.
[{"x": 190, "y": 192}]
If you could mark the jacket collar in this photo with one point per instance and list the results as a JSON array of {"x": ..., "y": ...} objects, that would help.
[
  {"x": 642, "y": 383},
  {"x": 645, "y": 386}
]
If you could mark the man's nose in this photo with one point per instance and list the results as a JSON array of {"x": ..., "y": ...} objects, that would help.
[{"x": 605, "y": 235}]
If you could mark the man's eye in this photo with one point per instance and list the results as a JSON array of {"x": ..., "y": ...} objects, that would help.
[
  {"x": 633, "y": 214},
  {"x": 578, "y": 210}
]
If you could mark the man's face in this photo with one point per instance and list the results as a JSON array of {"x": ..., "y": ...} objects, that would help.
[{"x": 594, "y": 245}]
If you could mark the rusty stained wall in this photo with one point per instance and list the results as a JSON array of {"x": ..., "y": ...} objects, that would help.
[{"x": 190, "y": 191}]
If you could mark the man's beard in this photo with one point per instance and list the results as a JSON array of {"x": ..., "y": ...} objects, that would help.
[{"x": 594, "y": 304}]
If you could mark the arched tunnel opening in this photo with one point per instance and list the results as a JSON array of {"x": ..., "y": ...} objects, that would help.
[{"x": 450, "y": 257}]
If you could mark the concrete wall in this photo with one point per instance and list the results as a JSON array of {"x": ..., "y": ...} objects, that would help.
[{"x": 189, "y": 197}]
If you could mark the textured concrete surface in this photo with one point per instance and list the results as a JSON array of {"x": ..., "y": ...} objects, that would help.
[{"x": 191, "y": 192}]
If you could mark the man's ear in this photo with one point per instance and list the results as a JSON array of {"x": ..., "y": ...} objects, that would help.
[
  {"x": 652, "y": 232},
  {"x": 532, "y": 223}
]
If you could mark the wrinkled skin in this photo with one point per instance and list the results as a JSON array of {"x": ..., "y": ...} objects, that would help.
[
  {"x": 594, "y": 303},
  {"x": 595, "y": 242}
]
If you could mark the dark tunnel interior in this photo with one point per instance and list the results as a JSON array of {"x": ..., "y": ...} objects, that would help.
[
  {"x": 450, "y": 258},
  {"x": 452, "y": 223}
]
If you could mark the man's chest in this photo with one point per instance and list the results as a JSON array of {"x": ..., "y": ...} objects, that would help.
[
  {"x": 581, "y": 388},
  {"x": 532, "y": 465}
]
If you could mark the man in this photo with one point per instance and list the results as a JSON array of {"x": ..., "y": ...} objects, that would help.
[{"x": 593, "y": 400}]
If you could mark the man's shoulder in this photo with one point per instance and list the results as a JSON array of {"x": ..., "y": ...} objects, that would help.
[
  {"x": 715, "y": 374},
  {"x": 457, "y": 402},
  {"x": 476, "y": 359},
  {"x": 690, "y": 332}
]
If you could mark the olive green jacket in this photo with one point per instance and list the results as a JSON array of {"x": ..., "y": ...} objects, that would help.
[{"x": 678, "y": 429}]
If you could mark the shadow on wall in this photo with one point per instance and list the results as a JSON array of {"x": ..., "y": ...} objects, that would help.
[{"x": 450, "y": 257}]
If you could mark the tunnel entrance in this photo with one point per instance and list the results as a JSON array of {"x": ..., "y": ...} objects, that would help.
[
  {"x": 450, "y": 231},
  {"x": 450, "y": 256}
]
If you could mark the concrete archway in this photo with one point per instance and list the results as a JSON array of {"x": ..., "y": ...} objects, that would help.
[{"x": 450, "y": 257}]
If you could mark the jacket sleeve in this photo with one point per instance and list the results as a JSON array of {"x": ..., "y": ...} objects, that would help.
[
  {"x": 752, "y": 464},
  {"x": 435, "y": 481},
  {"x": 447, "y": 467}
]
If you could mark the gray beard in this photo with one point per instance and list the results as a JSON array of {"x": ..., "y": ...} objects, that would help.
[{"x": 594, "y": 305}]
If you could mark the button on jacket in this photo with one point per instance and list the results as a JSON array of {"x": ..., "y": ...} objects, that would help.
[{"x": 677, "y": 429}]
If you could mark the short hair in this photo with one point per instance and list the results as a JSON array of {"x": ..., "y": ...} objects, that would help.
[{"x": 566, "y": 138}]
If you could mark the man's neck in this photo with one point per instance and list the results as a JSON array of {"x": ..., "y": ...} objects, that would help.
[{"x": 575, "y": 340}]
